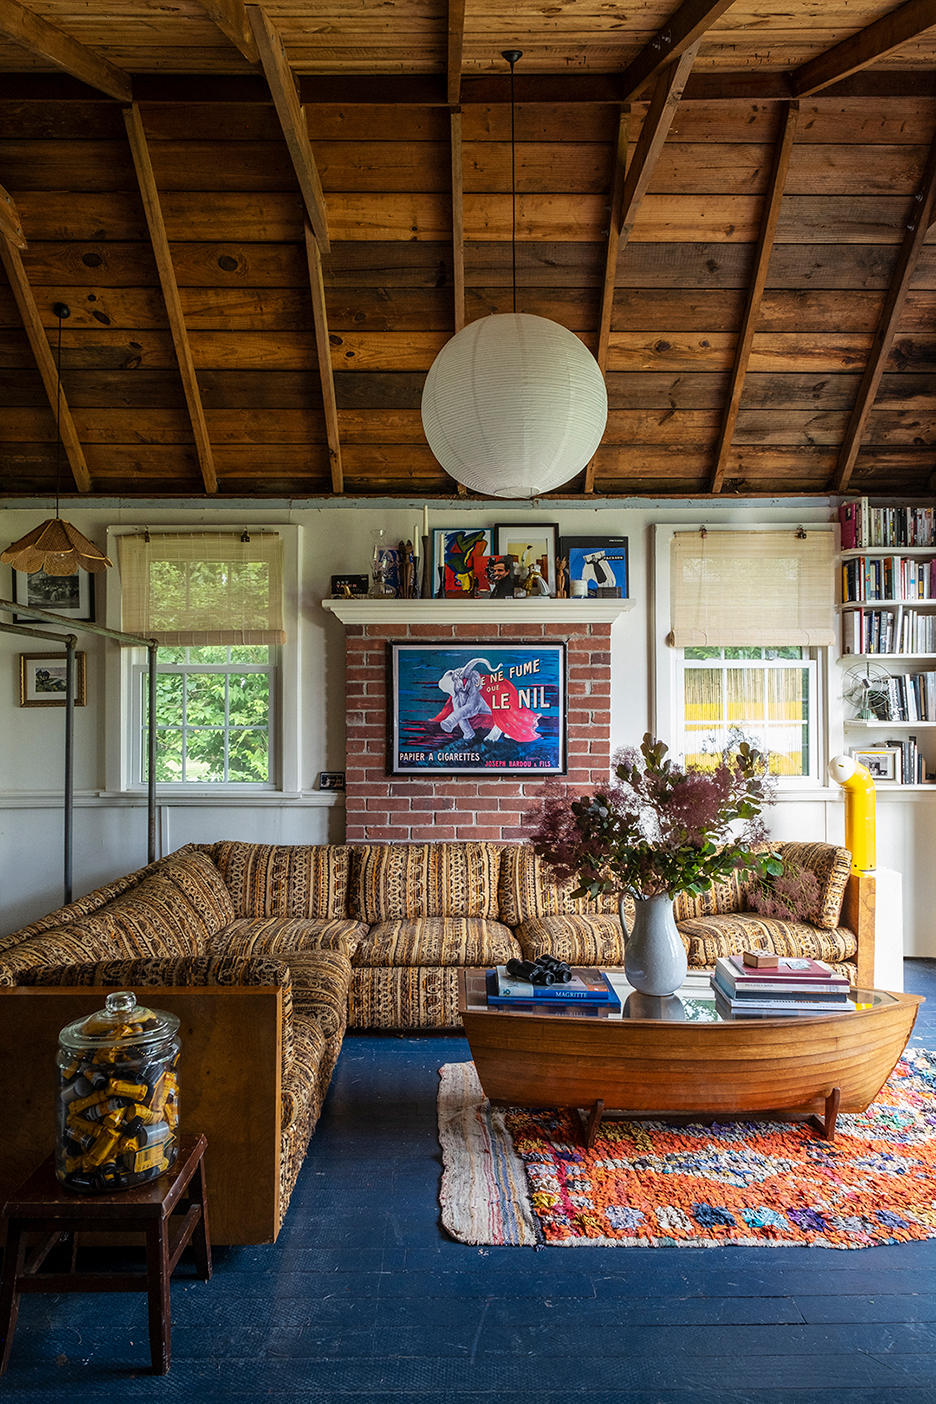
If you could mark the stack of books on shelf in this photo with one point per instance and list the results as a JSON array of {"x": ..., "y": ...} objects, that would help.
[
  {"x": 887, "y": 578},
  {"x": 900, "y": 630},
  {"x": 588, "y": 989},
  {"x": 864, "y": 526},
  {"x": 793, "y": 986}
]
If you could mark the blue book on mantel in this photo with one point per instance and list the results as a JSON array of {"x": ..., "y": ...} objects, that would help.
[{"x": 585, "y": 987}]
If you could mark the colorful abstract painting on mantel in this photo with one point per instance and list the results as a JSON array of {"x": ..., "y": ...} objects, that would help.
[{"x": 646, "y": 1184}]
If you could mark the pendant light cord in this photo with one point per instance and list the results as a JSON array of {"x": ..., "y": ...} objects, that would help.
[{"x": 511, "y": 55}]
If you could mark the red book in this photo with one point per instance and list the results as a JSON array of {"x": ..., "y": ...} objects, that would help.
[{"x": 789, "y": 968}]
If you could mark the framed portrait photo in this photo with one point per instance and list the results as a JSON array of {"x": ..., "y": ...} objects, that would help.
[
  {"x": 43, "y": 679},
  {"x": 531, "y": 543},
  {"x": 883, "y": 763},
  {"x": 485, "y": 709},
  {"x": 598, "y": 561},
  {"x": 71, "y": 596},
  {"x": 459, "y": 561}
]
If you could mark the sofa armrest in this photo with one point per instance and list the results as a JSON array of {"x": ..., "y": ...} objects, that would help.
[
  {"x": 230, "y": 1085},
  {"x": 858, "y": 908}
]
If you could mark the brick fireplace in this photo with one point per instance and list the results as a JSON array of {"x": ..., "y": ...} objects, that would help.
[{"x": 382, "y": 807}]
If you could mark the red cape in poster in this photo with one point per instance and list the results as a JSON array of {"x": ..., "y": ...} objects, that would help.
[{"x": 480, "y": 698}]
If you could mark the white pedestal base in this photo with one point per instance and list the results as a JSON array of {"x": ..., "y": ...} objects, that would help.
[{"x": 888, "y": 929}]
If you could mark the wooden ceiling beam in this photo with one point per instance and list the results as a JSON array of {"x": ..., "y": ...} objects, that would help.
[
  {"x": 763, "y": 250},
  {"x": 170, "y": 290},
  {"x": 323, "y": 350},
  {"x": 888, "y": 34},
  {"x": 456, "y": 44},
  {"x": 231, "y": 18},
  {"x": 611, "y": 262},
  {"x": 919, "y": 223},
  {"x": 39, "y": 342},
  {"x": 292, "y": 120},
  {"x": 36, "y": 34},
  {"x": 10, "y": 226},
  {"x": 680, "y": 32}
]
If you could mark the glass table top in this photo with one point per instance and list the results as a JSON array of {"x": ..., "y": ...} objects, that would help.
[{"x": 695, "y": 1002}]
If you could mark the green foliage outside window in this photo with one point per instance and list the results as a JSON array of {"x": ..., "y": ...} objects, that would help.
[{"x": 212, "y": 715}]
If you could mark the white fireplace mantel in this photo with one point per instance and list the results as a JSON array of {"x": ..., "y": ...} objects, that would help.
[{"x": 527, "y": 611}]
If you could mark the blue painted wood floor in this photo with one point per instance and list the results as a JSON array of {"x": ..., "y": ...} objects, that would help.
[{"x": 364, "y": 1297}]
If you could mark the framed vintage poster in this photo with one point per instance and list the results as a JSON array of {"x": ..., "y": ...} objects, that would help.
[
  {"x": 459, "y": 561},
  {"x": 600, "y": 562},
  {"x": 883, "y": 763},
  {"x": 484, "y": 709},
  {"x": 43, "y": 678},
  {"x": 71, "y": 596},
  {"x": 531, "y": 543}
]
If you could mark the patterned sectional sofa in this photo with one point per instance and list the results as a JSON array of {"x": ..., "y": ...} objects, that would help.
[{"x": 269, "y": 952}]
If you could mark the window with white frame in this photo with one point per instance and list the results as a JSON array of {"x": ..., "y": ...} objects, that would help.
[
  {"x": 751, "y": 614},
  {"x": 214, "y": 603}
]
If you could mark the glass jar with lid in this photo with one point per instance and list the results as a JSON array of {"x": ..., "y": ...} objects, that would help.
[{"x": 118, "y": 1097}]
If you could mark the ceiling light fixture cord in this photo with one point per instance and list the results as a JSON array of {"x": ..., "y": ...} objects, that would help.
[{"x": 511, "y": 55}]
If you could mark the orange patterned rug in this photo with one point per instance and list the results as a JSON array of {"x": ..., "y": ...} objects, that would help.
[{"x": 522, "y": 1176}]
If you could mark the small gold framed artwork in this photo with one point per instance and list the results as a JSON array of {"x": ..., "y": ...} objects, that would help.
[{"x": 43, "y": 679}]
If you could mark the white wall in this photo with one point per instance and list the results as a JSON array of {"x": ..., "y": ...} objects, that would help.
[{"x": 110, "y": 831}]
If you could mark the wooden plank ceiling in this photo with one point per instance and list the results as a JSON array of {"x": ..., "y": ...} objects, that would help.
[{"x": 267, "y": 219}]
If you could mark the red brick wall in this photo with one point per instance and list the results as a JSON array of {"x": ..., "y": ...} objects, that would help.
[{"x": 403, "y": 808}]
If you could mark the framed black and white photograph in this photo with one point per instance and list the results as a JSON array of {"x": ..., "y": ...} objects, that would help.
[
  {"x": 480, "y": 709},
  {"x": 71, "y": 596},
  {"x": 883, "y": 763},
  {"x": 530, "y": 544},
  {"x": 43, "y": 679},
  {"x": 597, "y": 562}
]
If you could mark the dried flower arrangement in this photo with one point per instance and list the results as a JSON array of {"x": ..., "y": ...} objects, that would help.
[{"x": 658, "y": 828}]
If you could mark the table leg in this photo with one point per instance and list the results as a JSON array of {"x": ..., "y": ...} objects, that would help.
[
  {"x": 826, "y": 1128},
  {"x": 157, "y": 1282},
  {"x": 201, "y": 1240},
  {"x": 14, "y": 1259},
  {"x": 593, "y": 1123}
]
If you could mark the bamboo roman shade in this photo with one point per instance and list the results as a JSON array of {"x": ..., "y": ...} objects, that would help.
[
  {"x": 738, "y": 589},
  {"x": 202, "y": 588}
]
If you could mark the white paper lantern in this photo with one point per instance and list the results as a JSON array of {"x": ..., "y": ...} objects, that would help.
[{"x": 514, "y": 406}]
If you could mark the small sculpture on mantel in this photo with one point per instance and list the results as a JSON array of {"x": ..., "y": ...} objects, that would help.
[{"x": 562, "y": 578}]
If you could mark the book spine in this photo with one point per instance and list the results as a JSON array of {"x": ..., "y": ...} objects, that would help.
[{"x": 552, "y": 994}]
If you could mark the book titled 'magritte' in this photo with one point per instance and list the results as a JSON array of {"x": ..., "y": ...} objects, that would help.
[{"x": 586, "y": 986}]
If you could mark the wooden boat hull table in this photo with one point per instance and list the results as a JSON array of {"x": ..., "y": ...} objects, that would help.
[{"x": 675, "y": 1059}]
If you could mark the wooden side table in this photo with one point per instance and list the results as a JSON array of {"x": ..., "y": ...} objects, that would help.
[{"x": 43, "y": 1205}]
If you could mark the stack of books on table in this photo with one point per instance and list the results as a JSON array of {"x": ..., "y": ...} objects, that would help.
[
  {"x": 792, "y": 986},
  {"x": 588, "y": 988}
]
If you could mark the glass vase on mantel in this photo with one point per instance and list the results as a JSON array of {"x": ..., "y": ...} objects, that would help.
[
  {"x": 655, "y": 961},
  {"x": 381, "y": 566}
]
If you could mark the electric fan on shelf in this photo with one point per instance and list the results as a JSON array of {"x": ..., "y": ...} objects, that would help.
[{"x": 865, "y": 688}]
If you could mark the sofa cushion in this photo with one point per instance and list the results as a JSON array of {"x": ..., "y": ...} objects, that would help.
[
  {"x": 579, "y": 939},
  {"x": 411, "y": 997},
  {"x": 320, "y": 984},
  {"x": 831, "y": 866},
  {"x": 180, "y": 970},
  {"x": 450, "y": 941},
  {"x": 198, "y": 878},
  {"x": 283, "y": 935},
  {"x": 527, "y": 888},
  {"x": 297, "y": 1092},
  {"x": 285, "y": 880},
  {"x": 709, "y": 937},
  {"x": 392, "y": 882}
]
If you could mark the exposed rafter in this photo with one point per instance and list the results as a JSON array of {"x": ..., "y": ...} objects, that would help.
[
  {"x": 231, "y": 18},
  {"x": 611, "y": 262},
  {"x": 684, "y": 29},
  {"x": 286, "y": 101},
  {"x": 323, "y": 350},
  {"x": 32, "y": 322},
  {"x": 920, "y": 221},
  {"x": 170, "y": 290},
  {"x": 53, "y": 44},
  {"x": 456, "y": 41},
  {"x": 765, "y": 243},
  {"x": 885, "y": 36},
  {"x": 10, "y": 226},
  {"x": 666, "y": 94}
]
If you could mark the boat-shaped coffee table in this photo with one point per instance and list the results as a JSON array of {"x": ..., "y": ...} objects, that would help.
[{"x": 677, "y": 1058}]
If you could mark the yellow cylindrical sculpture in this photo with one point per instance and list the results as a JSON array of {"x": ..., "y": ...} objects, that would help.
[{"x": 860, "y": 831}]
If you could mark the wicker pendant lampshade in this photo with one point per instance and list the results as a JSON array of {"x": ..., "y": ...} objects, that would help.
[{"x": 514, "y": 405}]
